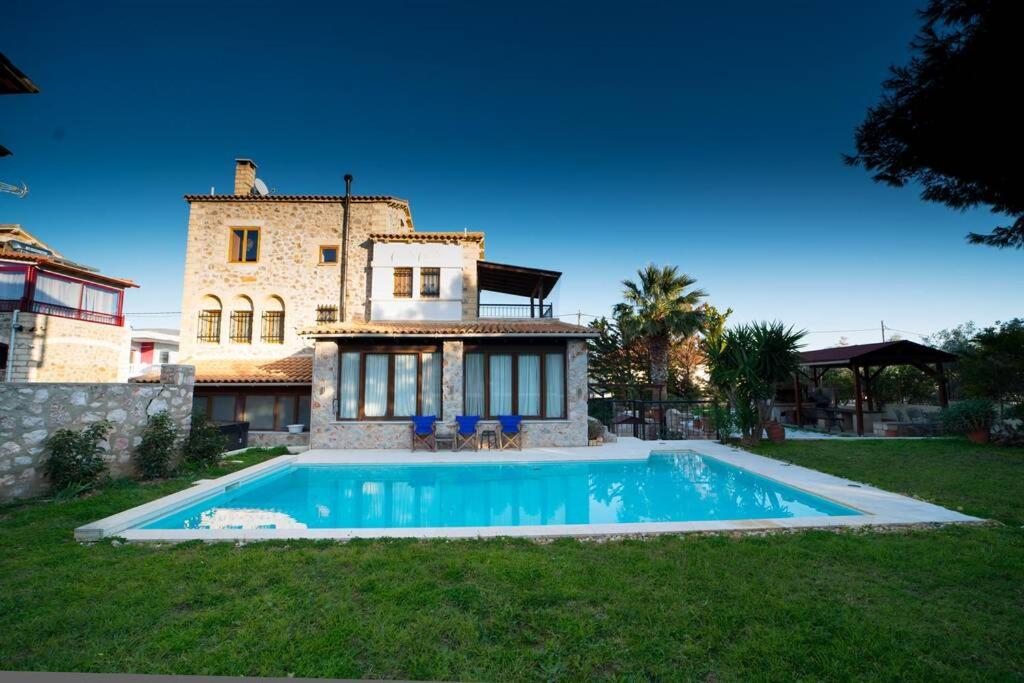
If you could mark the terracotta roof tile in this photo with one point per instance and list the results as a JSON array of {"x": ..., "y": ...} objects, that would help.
[
  {"x": 412, "y": 236},
  {"x": 466, "y": 328},
  {"x": 290, "y": 370},
  {"x": 291, "y": 198},
  {"x": 62, "y": 267}
]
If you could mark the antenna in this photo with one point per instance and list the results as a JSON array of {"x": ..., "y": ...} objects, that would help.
[
  {"x": 18, "y": 192},
  {"x": 260, "y": 187}
]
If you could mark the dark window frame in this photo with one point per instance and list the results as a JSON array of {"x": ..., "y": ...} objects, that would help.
[
  {"x": 240, "y": 327},
  {"x": 516, "y": 350},
  {"x": 390, "y": 350},
  {"x": 294, "y": 394},
  {"x": 272, "y": 330},
  {"x": 209, "y": 324}
]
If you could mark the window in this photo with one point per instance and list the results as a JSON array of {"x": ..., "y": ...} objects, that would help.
[
  {"x": 241, "y": 327},
  {"x": 528, "y": 382},
  {"x": 329, "y": 254},
  {"x": 217, "y": 407},
  {"x": 326, "y": 314},
  {"x": 430, "y": 283},
  {"x": 403, "y": 283},
  {"x": 259, "y": 412},
  {"x": 245, "y": 245},
  {"x": 273, "y": 327},
  {"x": 209, "y": 327},
  {"x": 165, "y": 357},
  {"x": 12, "y": 283},
  {"x": 382, "y": 384}
]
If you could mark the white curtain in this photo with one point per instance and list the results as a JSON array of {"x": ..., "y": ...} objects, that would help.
[
  {"x": 432, "y": 384},
  {"x": 529, "y": 385},
  {"x": 554, "y": 369},
  {"x": 501, "y": 384},
  {"x": 474, "y": 384},
  {"x": 375, "y": 392},
  {"x": 99, "y": 300},
  {"x": 12, "y": 284},
  {"x": 51, "y": 290},
  {"x": 348, "y": 406},
  {"x": 405, "y": 384}
]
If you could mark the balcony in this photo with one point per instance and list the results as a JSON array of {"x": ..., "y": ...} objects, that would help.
[
  {"x": 514, "y": 311},
  {"x": 7, "y": 305}
]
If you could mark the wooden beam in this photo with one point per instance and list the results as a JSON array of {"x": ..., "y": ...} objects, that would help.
[
  {"x": 796, "y": 397},
  {"x": 943, "y": 387}
]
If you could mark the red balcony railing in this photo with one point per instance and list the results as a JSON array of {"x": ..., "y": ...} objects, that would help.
[{"x": 61, "y": 311}]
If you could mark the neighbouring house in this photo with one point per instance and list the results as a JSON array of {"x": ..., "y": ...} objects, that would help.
[
  {"x": 333, "y": 312},
  {"x": 60, "y": 321},
  {"x": 152, "y": 349}
]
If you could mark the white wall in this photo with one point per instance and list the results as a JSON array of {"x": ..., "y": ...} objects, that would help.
[{"x": 390, "y": 255}]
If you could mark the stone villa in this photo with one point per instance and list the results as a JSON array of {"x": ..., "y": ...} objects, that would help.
[
  {"x": 60, "y": 321},
  {"x": 334, "y": 313}
]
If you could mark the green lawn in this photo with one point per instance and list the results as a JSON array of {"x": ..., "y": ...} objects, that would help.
[{"x": 937, "y": 604}]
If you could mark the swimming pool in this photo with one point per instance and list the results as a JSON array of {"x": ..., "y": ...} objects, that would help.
[{"x": 677, "y": 486}]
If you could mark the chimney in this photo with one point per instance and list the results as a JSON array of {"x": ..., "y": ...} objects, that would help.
[{"x": 245, "y": 176}]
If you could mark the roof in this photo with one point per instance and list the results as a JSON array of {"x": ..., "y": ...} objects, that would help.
[
  {"x": 413, "y": 236},
  {"x": 330, "y": 198},
  {"x": 13, "y": 81},
  {"x": 539, "y": 327},
  {"x": 156, "y": 335},
  {"x": 898, "y": 352},
  {"x": 67, "y": 268},
  {"x": 290, "y": 370},
  {"x": 516, "y": 280}
]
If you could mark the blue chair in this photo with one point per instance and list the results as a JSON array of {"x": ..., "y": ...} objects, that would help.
[
  {"x": 466, "y": 435},
  {"x": 424, "y": 432},
  {"x": 511, "y": 435}
]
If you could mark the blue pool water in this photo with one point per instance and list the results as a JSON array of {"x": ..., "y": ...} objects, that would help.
[{"x": 671, "y": 487}]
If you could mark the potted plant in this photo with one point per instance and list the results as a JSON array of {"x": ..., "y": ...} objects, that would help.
[{"x": 972, "y": 418}]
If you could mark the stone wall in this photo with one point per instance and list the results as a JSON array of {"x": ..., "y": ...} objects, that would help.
[
  {"x": 289, "y": 268},
  {"x": 29, "y": 413},
  {"x": 326, "y": 432},
  {"x": 53, "y": 349}
]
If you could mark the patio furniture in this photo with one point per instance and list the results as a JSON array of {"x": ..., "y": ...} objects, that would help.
[
  {"x": 511, "y": 432},
  {"x": 445, "y": 442},
  {"x": 489, "y": 438},
  {"x": 424, "y": 432},
  {"x": 466, "y": 435}
]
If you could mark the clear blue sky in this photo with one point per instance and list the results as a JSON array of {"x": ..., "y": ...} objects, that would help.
[{"x": 584, "y": 138}]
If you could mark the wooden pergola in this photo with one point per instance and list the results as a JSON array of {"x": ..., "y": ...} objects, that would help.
[{"x": 867, "y": 361}]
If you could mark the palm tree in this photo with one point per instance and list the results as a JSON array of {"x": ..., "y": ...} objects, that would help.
[{"x": 658, "y": 310}]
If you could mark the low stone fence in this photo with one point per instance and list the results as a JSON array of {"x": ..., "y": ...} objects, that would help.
[{"x": 31, "y": 412}]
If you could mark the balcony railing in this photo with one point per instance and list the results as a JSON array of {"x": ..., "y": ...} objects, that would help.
[
  {"x": 520, "y": 311},
  {"x": 61, "y": 311}
]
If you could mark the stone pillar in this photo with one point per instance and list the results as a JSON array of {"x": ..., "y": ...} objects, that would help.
[
  {"x": 451, "y": 381},
  {"x": 180, "y": 375},
  {"x": 576, "y": 351},
  {"x": 323, "y": 409}
]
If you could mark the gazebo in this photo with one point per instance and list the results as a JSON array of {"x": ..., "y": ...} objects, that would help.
[{"x": 867, "y": 361}]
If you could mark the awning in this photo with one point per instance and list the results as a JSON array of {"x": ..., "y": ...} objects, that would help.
[
  {"x": 515, "y": 280},
  {"x": 898, "y": 352},
  {"x": 456, "y": 329}
]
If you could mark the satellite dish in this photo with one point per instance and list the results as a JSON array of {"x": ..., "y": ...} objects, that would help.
[{"x": 261, "y": 187}]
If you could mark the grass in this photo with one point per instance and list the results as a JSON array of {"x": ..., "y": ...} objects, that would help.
[{"x": 945, "y": 603}]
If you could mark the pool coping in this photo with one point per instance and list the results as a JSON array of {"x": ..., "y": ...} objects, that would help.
[{"x": 877, "y": 507}]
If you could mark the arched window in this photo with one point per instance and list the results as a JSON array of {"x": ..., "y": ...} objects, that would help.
[
  {"x": 241, "y": 320},
  {"x": 209, "y": 320},
  {"x": 273, "y": 321}
]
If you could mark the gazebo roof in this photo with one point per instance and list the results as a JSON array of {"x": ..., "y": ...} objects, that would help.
[{"x": 901, "y": 352}]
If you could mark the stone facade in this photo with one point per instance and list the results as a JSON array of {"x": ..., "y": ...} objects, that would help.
[
  {"x": 29, "y": 413},
  {"x": 327, "y": 432},
  {"x": 53, "y": 349}
]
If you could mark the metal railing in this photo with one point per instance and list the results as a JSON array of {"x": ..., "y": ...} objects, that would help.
[
  {"x": 656, "y": 420},
  {"x": 62, "y": 311},
  {"x": 514, "y": 311}
]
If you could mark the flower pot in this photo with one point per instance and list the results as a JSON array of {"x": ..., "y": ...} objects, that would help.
[
  {"x": 751, "y": 441},
  {"x": 978, "y": 436},
  {"x": 776, "y": 432},
  {"x": 295, "y": 429}
]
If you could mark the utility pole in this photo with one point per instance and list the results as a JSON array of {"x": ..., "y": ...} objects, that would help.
[
  {"x": 579, "y": 317},
  {"x": 883, "y": 331}
]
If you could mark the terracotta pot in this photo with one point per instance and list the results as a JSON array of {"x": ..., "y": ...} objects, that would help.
[
  {"x": 978, "y": 436},
  {"x": 751, "y": 441},
  {"x": 776, "y": 432}
]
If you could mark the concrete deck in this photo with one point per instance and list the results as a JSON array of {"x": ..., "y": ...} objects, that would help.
[{"x": 879, "y": 508}]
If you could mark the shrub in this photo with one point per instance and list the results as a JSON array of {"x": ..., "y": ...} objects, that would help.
[
  {"x": 205, "y": 443},
  {"x": 75, "y": 458},
  {"x": 1010, "y": 435},
  {"x": 154, "y": 454},
  {"x": 972, "y": 415},
  {"x": 595, "y": 430}
]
